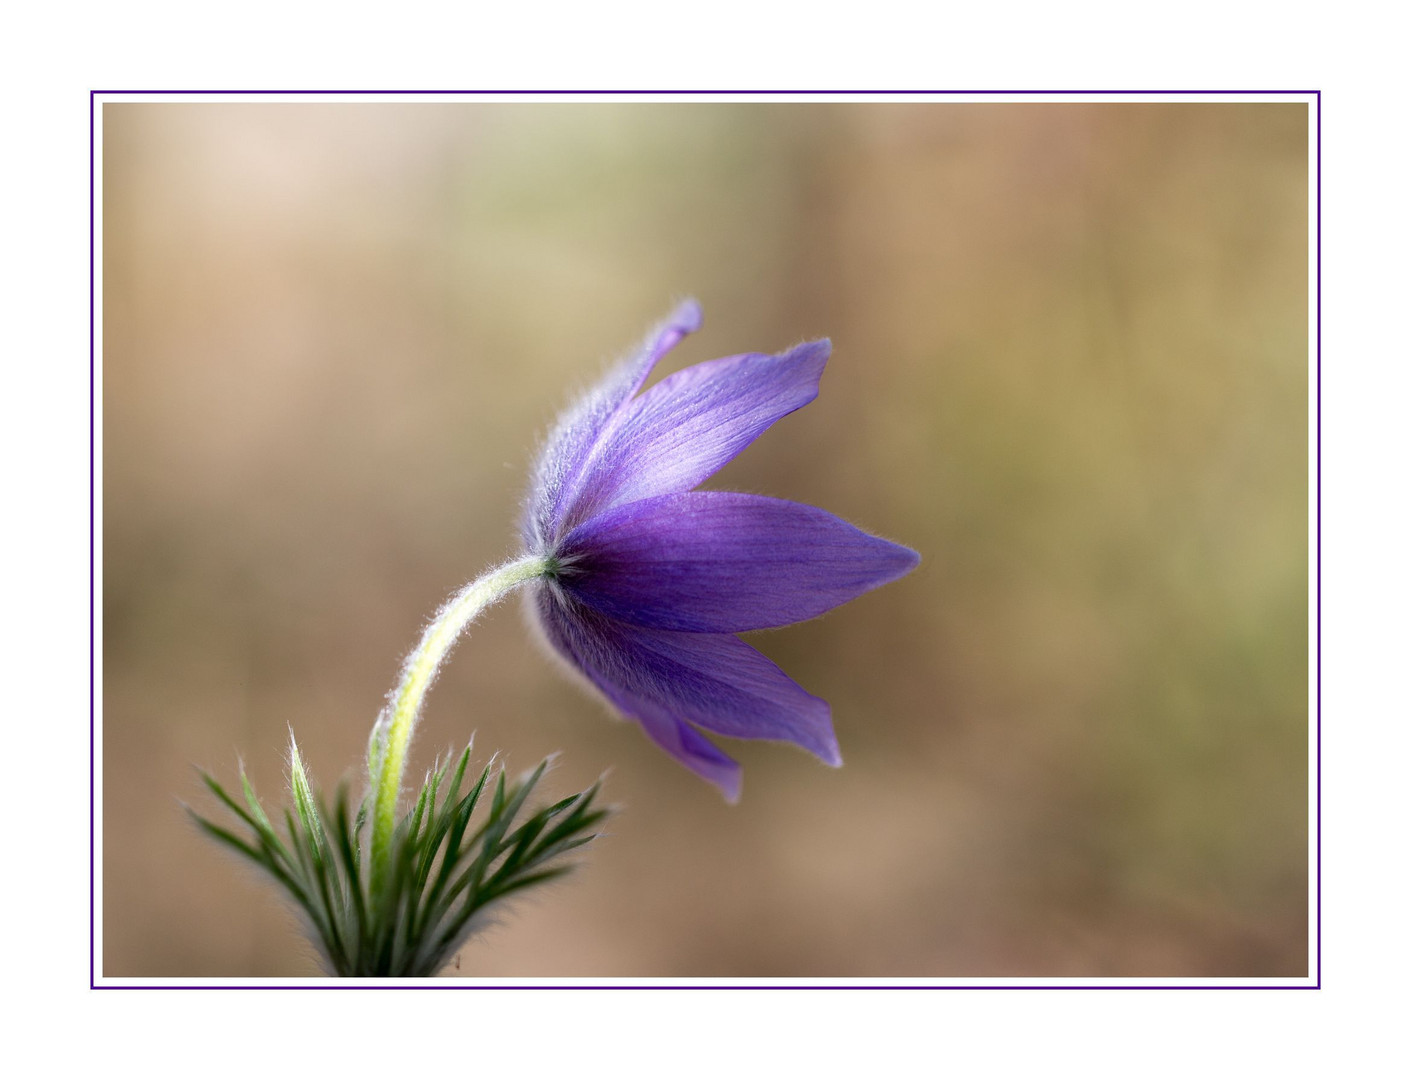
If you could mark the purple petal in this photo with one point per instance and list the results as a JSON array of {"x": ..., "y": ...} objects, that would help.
[
  {"x": 690, "y": 424},
  {"x": 720, "y": 562},
  {"x": 564, "y": 462},
  {"x": 714, "y": 681},
  {"x": 681, "y": 741}
]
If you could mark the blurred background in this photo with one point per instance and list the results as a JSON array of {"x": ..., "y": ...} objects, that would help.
[{"x": 1070, "y": 368}]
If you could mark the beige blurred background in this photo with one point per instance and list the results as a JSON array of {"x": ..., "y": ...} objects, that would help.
[{"x": 1070, "y": 368}]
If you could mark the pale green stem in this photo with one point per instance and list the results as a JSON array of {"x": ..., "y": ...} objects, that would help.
[{"x": 387, "y": 751}]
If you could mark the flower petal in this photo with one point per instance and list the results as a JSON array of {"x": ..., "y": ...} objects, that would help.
[
  {"x": 688, "y": 426},
  {"x": 721, "y": 562},
  {"x": 563, "y": 463},
  {"x": 682, "y": 741},
  {"x": 714, "y": 681}
]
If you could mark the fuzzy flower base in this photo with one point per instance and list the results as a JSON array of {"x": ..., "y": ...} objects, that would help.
[{"x": 443, "y": 870}]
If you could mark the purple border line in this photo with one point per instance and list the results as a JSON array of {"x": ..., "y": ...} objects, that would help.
[
  {"x": 92, "y": 599},
  {"x": 691, "y": 93},
  {"x": 439, "y": 984},
  {"x": 1317, "y": 870},
  {"x": 1318, "y": 526}
]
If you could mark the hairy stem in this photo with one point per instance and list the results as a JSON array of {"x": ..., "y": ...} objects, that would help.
[{"x": 387, "y": 752}]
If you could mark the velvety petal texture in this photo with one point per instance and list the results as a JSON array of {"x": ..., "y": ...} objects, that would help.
[
  {"x": 718, "y": 562},
  {"x": 711, "y": 681},
  {"x": 569, "y": 449},
  {"x": 651, "y": 580},
  {"x": 686, "y": 428}
]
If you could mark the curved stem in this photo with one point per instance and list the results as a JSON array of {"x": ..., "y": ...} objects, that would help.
[{"x": 387, "y": 752}]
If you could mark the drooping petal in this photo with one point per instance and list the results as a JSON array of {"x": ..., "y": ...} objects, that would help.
[
  {"x": 688, "y": 426},
  {"x": 681, "y": 741},
  {"x": 721, "y": 562},
  {"x": 714, "y": 681},
  {"x": 565, "y": 459}
]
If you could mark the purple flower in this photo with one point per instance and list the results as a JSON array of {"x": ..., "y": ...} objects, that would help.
[{"x": 650, "y": 581}]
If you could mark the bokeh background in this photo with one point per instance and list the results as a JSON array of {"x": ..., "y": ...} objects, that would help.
[{"x": 1070, "y": 368}]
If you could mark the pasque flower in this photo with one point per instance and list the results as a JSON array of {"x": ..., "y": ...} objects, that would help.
[
  {"x": 640, "y": 583},
  {"x": 646, "y": 581}
]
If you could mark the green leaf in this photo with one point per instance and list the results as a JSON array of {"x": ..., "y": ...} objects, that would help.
[{"x": 443, "y": 867}]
